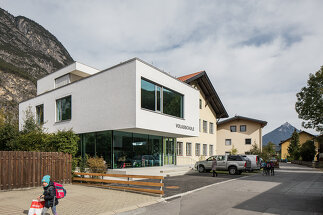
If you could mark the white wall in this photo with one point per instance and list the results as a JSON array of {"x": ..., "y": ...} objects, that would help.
[
  {"x": 111, "y": 100},
  {"x": 103, "y": 101},
  {"x": 157, "y": 121},
  {"x": 47, "y": 83}
]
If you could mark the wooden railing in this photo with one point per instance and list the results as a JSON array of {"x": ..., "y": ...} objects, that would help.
[{"x": 131, "y": 185}]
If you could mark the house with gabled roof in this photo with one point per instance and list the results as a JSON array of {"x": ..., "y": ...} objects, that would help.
[
  {"x": 192, "y": 149},
  {"x": 303, "y": 137},
  {"x": 239, "y": 132}
]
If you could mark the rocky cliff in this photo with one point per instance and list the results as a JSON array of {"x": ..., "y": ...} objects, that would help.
[{"x": 27, "y": 52}]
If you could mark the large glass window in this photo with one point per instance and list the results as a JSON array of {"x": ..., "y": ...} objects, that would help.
[
  {"x": 147, "y": 95},
  {"x": 40, "y": 114},
  {"x": 123, "y": 153},
  {"x": 103, "y": 146},
  {"x": 158, "y": 98},
  {"x": 172, "y": 103},
  {"x": 211, "y": 128},
  {"x": 64, "y": 109},
  {"x": 156, "y": 150}
]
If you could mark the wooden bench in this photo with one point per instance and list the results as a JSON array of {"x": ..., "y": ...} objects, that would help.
[{"x": 102, "y": 182}]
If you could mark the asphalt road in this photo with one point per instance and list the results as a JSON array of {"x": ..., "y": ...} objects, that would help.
[{"x": 293, "y": 190}]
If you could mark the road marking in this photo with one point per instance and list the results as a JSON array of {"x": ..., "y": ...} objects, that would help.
[{"x": 201, "y": 188}]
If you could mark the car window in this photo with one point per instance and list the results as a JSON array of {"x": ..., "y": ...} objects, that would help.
[
  {"x": 220, "y": 158},
  {"x": 210, "y": 158}
]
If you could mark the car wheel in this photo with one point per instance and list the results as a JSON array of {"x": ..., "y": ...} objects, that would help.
[
  {"x": 233, "y": 170},
  {"x": 201, "y": 168}
]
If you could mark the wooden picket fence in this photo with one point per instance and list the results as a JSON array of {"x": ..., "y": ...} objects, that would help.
[{"x": 20, "y": 169}]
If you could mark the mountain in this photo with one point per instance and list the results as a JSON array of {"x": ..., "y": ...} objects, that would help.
[
  {"x": 27, "y": 52},
  {"x": 283, "y": 132}
]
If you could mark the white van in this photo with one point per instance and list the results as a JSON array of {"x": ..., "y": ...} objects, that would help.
[{"x": 255, "y": 161}]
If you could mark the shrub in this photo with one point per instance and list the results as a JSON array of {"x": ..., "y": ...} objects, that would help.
[{"x": 97, "y": 165}]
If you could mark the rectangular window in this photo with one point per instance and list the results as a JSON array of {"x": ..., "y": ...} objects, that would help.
[
  {"x": 188, "y": 149},
  {"x": 200, "y": 103},
  {"x": 211, "y": 128},
  {"x": 172, "y": 103},
  {"x": 248, "y": 141},
  {"x": 243, "y": 128},
  {"x": 147, "y": 95},
  {"x": 197, "y": 149},
  {"x": 211, "y": 150},
  {"x": 64, "y": 109},
  {"x": 204, "y": 149},
  {"x": 200, "y": 125},
  {"x": 228, "y": 142},
  {"x": 40, "y": 114},
  {"x": 179, "y": 148},
  {"x": 158, "y": 98},
  {"x": 204, "y": 126},
  {"x": 63, "y": 80},
  {"x": 233, "y": 128}
]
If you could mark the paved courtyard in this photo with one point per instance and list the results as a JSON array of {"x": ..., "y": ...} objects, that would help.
[{"x": 79, "y": 200}]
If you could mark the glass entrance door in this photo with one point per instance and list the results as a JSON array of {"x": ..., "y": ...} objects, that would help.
[{"x": 169, "y": 151}]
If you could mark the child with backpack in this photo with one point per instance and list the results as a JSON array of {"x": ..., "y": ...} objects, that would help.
[{"x": 49, "y": 195}]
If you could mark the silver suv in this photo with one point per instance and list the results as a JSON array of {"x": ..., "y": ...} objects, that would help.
[{"x": 235, "y": 164}]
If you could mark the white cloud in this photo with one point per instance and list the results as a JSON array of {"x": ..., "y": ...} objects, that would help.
[{"x": 258, "y": 54}]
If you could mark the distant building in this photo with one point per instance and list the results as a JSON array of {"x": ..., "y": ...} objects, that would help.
[
  {"x": 303, "y": 137},
  {"x": 239, "y": 132}
]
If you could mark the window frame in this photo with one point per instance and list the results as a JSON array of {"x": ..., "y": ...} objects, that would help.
[
  {"x": 160, "y": 108},
  {"x": 225, "y": 142},
  {"x": 204, "y": 126},
  {"x": 179, "y": 149},
  {"x": 204, "y": 150},
  {"x": 188, "y": 146},
  {"x": 40, "y": 120},
  {"x": 245, "y": 126},
  {"x": 197, "y": 149},
  {"x": 231, "y": 128},
  {"x": 211, "y": 127},
  {"x": 246, "y": 141},
  {"x": 211, "y": 149},
  {"x": 61, "y": 112}
]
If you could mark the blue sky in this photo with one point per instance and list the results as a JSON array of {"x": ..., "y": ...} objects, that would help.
[{"x": 258, "y": 54}]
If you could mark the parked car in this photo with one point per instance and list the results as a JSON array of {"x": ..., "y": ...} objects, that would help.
[
  {"x": 235, "y": 164},
  {"x": 255, "y": 162}
]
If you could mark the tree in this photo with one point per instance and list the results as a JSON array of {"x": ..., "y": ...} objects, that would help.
[
  {"x": 307, "y": 151},
  {"x": 268, "y": 151},
  {"x": 30, "y": 124},
  {"x": 234, "y": 150},
  {"x": 255, "y": 150},
  {"x": 293, "y": 148},
  {"x": 309, "y": 105}
]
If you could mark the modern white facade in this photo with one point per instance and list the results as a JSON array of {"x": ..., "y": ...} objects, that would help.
[{"x": 111, "y": 100}]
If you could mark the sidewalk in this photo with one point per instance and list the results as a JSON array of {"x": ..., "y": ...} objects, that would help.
[{"x": 79, "y": 200}]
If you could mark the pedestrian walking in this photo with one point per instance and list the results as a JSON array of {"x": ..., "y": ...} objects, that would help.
[
  {"x": 214, "y": 167},
  {"x": 272, "y": 168},
  {"x": 49, "y": 195}
]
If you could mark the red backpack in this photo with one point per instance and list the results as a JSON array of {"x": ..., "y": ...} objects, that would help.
[{"x": 60, "y": 190}]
